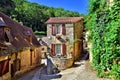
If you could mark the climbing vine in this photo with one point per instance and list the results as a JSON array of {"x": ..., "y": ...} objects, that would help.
[{"x": 103, "y": 23}]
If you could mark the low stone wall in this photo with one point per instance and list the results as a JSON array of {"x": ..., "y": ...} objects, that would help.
[{"x": 63, "y": 63}]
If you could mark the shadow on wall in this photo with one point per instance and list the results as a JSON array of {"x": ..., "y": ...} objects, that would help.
[
  {"x": 50, "y": 71},
  {"x": 45, "y": 76},
  {"x": 51, "y": 68}
]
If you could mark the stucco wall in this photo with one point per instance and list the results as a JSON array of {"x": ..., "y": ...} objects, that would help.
[
  {"x": 44, "y": 51},
  {"x": 78, "y": 45},
  {"x": 27, "y": 58}
]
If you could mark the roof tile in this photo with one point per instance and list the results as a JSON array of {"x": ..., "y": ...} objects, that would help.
[
  {"x": 56, "y": 20},
  {"x": 17, "y": 33}
]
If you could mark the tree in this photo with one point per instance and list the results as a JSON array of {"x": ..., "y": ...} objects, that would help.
[
  {"x": 7, "y": 6},
  {"x": 32, "y": 14}
]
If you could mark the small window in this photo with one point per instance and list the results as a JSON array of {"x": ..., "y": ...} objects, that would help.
[
  {"x": 28, "y": 36},
  {"x": 58, "y": 49},
  {"x": 58, "y": 30},
  {"x": 29, "y": 39},
  {"x": 27, "y": 33},
  {"x": 8, "y": 36},
  {"x": 43, "y": 49}
]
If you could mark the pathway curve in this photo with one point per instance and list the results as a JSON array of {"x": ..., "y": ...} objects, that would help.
[
  {"x": 29, "y": 74},
  {"x": 80, "y": 71}
]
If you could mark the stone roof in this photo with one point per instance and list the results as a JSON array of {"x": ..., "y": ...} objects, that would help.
[
  {"x": 17, "y": 32},
  {"x": 56, "y": 20}
]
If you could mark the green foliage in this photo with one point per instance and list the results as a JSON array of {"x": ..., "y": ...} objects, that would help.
[
  {"x": 115, "y": 72},
  {"x": 32, "y": 14},
  {"x": 40, "y": 33},
  {"x": 7, "y": 6},
  {"x": 104, "y": 26}
]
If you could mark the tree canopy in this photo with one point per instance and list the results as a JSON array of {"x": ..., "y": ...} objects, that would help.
[{"x": 32, "y": 14}]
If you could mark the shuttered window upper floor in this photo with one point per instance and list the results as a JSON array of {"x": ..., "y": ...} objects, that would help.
[{"x": 58, "y": 29}]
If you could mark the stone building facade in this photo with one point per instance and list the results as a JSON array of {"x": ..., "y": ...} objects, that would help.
[{"x": 64, "y": 37}]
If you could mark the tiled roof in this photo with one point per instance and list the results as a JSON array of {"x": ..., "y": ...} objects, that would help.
[
  {"x": 17, "y": 33},
  {"x": 63, "y": 20},
  {"x": 2, "y": 23}
]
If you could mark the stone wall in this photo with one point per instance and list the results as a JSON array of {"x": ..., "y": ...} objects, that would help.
[
  {"x": 63, "y": 63},
  {"x": 68, "y": 38}
]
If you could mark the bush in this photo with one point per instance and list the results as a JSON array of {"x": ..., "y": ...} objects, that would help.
[{"x": 104, "y": 26}]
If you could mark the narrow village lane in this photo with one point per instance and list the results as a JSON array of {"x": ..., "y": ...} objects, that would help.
[
  {"x": 30, "y": 74},
  {"x": 80, "y": 71}
]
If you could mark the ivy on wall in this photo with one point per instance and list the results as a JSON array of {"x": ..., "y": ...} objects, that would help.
[{"x": 103, "y": 23}]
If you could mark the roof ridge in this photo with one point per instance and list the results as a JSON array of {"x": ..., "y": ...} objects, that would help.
[{"x": 63, "y": 19}]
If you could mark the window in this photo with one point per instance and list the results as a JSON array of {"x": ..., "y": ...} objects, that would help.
[
  {"x": 8, "y": 36},
  {"x": 42, "y": 49},
  {"x": 58, "y": 49},
  {"x": 58, "y": 29},
  {"x": 28, "y": 36}
]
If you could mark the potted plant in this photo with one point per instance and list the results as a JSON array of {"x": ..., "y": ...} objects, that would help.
[{"x": 58, "y": 36}]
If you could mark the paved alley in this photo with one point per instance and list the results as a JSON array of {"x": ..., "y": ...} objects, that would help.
[{"x": 80, "y": 71}]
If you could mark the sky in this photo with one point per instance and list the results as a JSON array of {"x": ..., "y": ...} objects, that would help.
[{"x": 72, "y": 5}]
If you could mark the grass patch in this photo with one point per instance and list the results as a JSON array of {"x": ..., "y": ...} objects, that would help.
[{"x": 40, "y": 32}]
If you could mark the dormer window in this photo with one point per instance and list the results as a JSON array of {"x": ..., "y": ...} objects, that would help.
[
  {"x": 8, "y": 37},
  {"x": 5, "y": 35},
  {"x": 28, "y": 36}
]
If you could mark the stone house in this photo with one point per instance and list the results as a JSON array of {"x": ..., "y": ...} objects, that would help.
[
  {"x": 19, "y": 48},
  {"x": 64, "y": 36}
]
